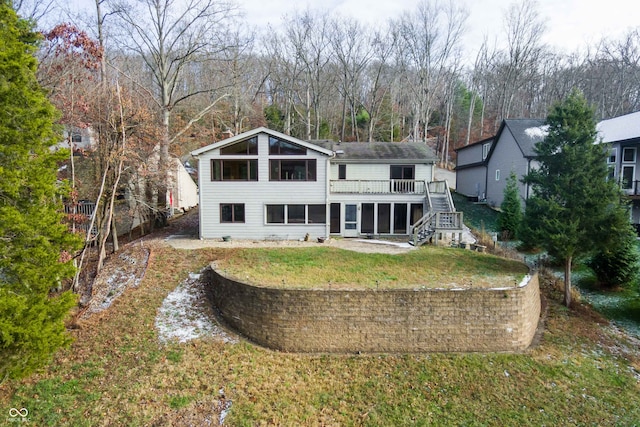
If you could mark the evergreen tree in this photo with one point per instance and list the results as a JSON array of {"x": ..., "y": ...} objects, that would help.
[
  {"x": 510, "y": 216},
  {"x": 617, "y": 266},
  {"x": 33, "y": 241},
  {"x": 575, "y": 210}
]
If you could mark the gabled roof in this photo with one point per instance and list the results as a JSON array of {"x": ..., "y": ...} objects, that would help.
[
  {"x": 526, "y": 132},
  {"x": 256, "y": 131},
  {"x": 380, "y": 152},
  {"x": 620, "y": 128},
  {"x": 473, "y": 144}
]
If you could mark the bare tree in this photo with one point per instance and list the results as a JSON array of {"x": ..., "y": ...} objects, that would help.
[
  {"x": 308, "y": 34},
  {"x": 429, "y": 43},
  {"x": 353, "y": 51},
  {"x": 34, "y": 10},
  {"x": 169, "y": 36},
  {"x": 524, "y": 30},
  {"x": 379, "y": 81}
]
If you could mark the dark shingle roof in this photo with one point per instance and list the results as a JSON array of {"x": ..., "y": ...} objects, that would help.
[
  {"x": 380, "y": 151},
  {"x": 527, "y": 133}
]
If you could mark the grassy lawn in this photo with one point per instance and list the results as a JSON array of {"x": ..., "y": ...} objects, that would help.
[
  {"x": 116, "y": 373},
  {"x": 432, "y": 267},
  {"x": 476, "y": 215}
]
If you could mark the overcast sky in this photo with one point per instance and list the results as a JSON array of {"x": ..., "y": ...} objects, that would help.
[{"x": 570, "y": 23}]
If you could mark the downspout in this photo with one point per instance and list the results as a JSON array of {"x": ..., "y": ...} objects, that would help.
[
  {"x": 327, "y": 223},
  {"x": 200, "y": 197},
  {"x": 526, "y": 190},
  {"x": 486, "y": 179}
]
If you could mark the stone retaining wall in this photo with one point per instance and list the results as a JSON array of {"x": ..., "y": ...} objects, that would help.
[{"x": 404, "y": 321}]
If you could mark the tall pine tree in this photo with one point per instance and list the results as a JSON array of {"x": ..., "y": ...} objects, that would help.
[
  {"x": 575, "y": 210},
  {"x": 33, "y": 239}
]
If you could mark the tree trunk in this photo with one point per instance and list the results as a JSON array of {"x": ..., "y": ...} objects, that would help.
[
  {"x": 472, "y": 104},
  {"x": 164, "y": 178},
  {"x": 567, "y": 281}
]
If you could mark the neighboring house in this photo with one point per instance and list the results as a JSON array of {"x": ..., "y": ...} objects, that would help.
[
  {"x": 263, "y": 184},
  {"x": 493, "y": 159},
  {"x": 623, "y": 136},
  {"x": 183, "y": 193},
  {"x": 80, "y": 138},
  {"x": 471, "y": 169}
]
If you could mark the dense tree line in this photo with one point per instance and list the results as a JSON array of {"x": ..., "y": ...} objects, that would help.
[
  {"x": 330, "y": 76},
  {"x": 156, "y": 78},
  {"x": 319, "y": 75}
]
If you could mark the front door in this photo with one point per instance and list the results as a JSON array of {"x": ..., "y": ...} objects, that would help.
[{"x": 350, "y": 220}]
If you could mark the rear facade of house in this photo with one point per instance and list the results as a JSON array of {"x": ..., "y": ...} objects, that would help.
[{"x": 263, "y": 184}]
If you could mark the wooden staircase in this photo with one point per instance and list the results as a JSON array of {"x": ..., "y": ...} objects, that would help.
[{"x": 440, "y": 218}]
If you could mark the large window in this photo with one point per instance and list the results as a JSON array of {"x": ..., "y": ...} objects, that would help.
[
  {"x": 404, "y": 173},
  {"x": 417, "y": 211},
  {"x": 296, "y": 214},
  {"x": 317, "y": 214},
  {"x": 234, "y": 170},
  {"x": 292, "y": 170},
  {"x": 275, "y": 214},
  {"x": 628, "y": 173},
  {"x": 248, "y": 147},
  {"x": 384, "y": 218},
  {"x": 400, "y": 219},
  {"x": 284, "y": 148},
  {"x": 629, "y": 155},
  {"x": 231, "y": 212}
]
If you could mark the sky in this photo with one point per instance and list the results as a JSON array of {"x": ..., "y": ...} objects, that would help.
[{"x": 571, "y": 24}]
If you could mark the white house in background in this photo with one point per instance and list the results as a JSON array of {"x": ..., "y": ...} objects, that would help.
[
  {"x": 183, "y": 195},
  {"x": 80, "y": 138},
  {"x": 263, "y": 184}
]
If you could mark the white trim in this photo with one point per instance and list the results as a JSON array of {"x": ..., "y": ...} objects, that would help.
[
  {"x": 256, "y": 131},
  {"x": 633, "y": 175},
  {"x": 633, "y": 149},
  {"x": 497, "y": 174},
  {"x": 485, "y": 150}
]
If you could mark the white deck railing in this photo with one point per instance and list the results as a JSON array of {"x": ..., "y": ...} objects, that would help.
[{"x": 392, "y": 186}]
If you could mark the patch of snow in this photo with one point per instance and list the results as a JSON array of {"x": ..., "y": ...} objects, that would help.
[
  {"x": 386, "y": 242},
  {"x": 537, "y": 132},
  {"x": 183, "y": 315},
  {"x": 524, "y": 281}
]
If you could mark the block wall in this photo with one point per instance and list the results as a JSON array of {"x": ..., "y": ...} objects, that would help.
[{"x": 388, "y": 321}]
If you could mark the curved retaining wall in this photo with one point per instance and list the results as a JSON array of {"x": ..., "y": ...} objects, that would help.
[{"x": 404, "y": 321}]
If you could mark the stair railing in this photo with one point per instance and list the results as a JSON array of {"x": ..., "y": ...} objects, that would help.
[{"x": 421, "y": 228}]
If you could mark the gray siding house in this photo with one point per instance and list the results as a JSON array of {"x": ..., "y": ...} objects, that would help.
[
  {"x": 471, "y": 169},
  {"x": 263, "y": 184},
  {"x": 622, "y": 134},
  {"x": 511, "y": 150}
]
